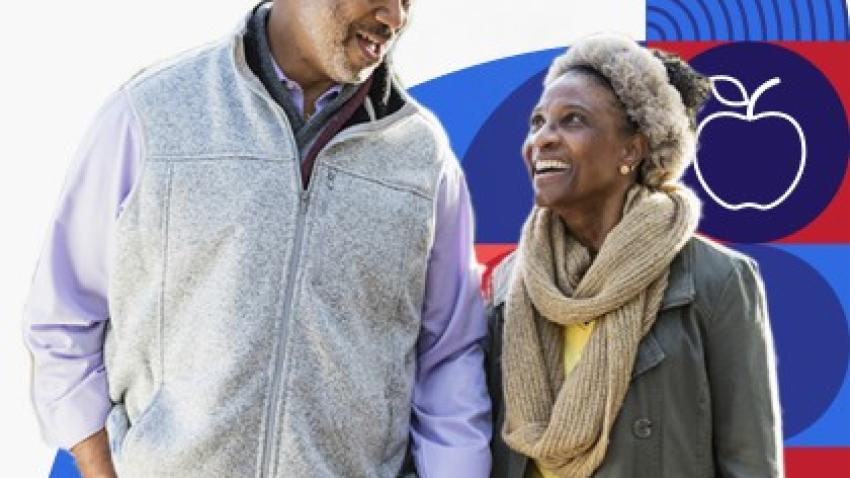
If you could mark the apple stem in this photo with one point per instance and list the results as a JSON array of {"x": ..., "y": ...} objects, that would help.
[{"x": 756, "y": 94}]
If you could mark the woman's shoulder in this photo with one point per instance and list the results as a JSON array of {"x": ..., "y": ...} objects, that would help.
[
  {"x": 717, "y": 271},
  {"x": 711, "y": 260}
]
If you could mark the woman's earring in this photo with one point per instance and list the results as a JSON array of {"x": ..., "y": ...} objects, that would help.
[{"x": 625, "y": 169}]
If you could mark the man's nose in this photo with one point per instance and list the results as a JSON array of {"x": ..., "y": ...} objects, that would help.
[{"x": 392, "y": 14}]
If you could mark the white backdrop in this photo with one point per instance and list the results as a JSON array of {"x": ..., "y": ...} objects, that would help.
[{"x": 60, "y": 60}]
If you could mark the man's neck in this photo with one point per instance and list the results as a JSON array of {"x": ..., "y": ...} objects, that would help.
[{"x": 288, "y": 55}]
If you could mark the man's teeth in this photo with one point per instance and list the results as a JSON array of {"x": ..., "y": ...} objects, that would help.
[
  {"x": 550, "y": 164},
  {"x": 370, "y": 44}
]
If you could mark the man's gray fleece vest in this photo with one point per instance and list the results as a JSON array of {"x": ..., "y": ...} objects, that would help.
[{"x": 258, "y": 329}]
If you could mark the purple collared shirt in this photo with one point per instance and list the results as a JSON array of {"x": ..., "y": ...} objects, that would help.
[
  {"x": 67, "y": 310},
  {"x": 296, "y": 93}
]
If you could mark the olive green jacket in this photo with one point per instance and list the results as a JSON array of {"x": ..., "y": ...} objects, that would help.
[{"x": 703, "y": 398}]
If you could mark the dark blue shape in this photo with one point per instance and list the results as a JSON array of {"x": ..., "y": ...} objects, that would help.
[
  {"x": 830, "y": 19},
  {"x": 810, "y": 332},
  {"x": 679, "y": 14},
  {"x": 752, "y": 161},
  {"x": 840, "y": 19},
  {"x": 744, "y": 19},
  {"x": 762, "y": 20},
  {"x": 753, "y": 20},
  {"x": 816, "y": 25},
  {"x": 655, "y": 32},
  {"x": 771, "y": 19},
  {"x": 718, "y": 166},
  {"x": 698, "y": 22},
  {"x": 63, "y": 466},
  {"x": 845, "y": 20},
  {"x": 683, "y": 21},
  {"x": 656, "y": 14},
  {"x": 806, "y": 19},
  {"x": 734, "y": 21},
  {"x": 778, "y": 14},
  {"x": 728, "y": 33},
  {"x": 498, "y": 181},
  {"x": 821, "y": 23},
  {"x": 830, "y": 260},
  {"x": 463, "y": 100},
  {"x": 790, "y": 23},
  {"x": 709, "y": 20}
]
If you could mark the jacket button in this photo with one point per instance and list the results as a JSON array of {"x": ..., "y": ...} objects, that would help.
[{"x": 642, "y": 428}]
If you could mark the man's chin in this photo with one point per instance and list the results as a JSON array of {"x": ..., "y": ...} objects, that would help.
[{"x": 353, "y": 75}]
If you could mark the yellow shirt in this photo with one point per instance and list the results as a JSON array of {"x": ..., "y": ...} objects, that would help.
[{"x": 575, "y": 338}]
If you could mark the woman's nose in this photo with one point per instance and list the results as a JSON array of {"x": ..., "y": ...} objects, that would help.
[{"x": 545, "y": 137}]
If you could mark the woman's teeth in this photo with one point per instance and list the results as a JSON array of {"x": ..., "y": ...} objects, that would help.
[{"x": 548, "y": 165}]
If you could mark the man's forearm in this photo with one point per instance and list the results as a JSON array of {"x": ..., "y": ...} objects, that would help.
[
  {"x": 452, "y": 430},
  {"x": 93, "y": 457}
]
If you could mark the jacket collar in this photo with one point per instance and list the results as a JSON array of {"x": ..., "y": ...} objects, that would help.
[{"x": 680, "y": 283}]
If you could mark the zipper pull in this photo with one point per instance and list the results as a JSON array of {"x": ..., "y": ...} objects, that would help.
[
  {"x": 331, "y": 177},
  {"x": 305, "y": 201}
]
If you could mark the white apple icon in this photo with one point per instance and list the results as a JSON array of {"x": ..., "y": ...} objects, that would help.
[{"x": 750, "y": 103}]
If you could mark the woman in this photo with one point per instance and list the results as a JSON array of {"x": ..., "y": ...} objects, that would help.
[{"x": 621, "y": 344}]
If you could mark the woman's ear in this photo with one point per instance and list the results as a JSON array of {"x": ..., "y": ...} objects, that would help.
[{"x": 635, "y": 150}]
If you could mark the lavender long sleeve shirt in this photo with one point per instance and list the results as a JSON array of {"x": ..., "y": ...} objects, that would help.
[{"x": 66, "y": 312}]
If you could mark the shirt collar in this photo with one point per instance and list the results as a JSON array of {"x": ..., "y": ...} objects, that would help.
[{"x": 293, "y": 85}]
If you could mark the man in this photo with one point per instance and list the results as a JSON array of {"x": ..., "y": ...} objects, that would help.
[{"x": 262, "y": 265}]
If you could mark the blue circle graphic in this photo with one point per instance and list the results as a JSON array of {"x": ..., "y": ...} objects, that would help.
[
  {"x": 811, "y": 335},
  {"x": 64, "y": 466},
  {"x": 768, "y": 170},
  {"x": 498, "y": 181}
]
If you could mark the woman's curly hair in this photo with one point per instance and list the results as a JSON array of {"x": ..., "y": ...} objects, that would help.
[{"x": 660, "y": 92}]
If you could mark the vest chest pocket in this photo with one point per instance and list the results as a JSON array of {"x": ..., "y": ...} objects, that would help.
[
  {"x": 368, "y": 242},
  {"x": 228, "y": 199}
]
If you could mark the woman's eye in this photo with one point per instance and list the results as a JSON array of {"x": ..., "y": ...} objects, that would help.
[
  {"x": 572, "y": 119},
  {"x": 535, "y": 122}
]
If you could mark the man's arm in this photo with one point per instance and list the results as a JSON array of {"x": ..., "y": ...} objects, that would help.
[
  {"x": 451, "y": 424},
  {"x": 93, "y": 458},
  {"x": 66, "y": 311}
]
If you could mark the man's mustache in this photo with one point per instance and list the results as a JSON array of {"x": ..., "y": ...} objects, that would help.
[{"x": 382, "y": 32}]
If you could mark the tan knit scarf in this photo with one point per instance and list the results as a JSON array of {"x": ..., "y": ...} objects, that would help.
[{"x": 564, "y": 422}]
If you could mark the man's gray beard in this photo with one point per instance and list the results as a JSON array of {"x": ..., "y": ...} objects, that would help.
[
  {"x": 331, "y": 46},
  {"x": 339, "y": 67},
  {"x": 362, "y": 75}
]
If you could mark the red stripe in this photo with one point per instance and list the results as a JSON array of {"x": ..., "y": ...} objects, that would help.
[
  {"x": 817, "y": 462},
  {"x": 490, "y": 255},
  {"x": 831, "y": 224}
]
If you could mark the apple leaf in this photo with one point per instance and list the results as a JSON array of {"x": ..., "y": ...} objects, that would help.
[{"x": 716, "y": 79}]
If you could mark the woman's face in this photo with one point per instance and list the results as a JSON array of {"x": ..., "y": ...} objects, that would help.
[{"x": 578, "y": 139}]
